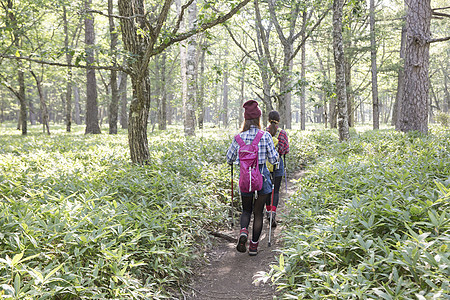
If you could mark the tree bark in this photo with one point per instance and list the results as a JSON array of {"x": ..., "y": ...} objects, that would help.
[
  {"x": 191, "y": 72},
  {"x": 446, "y": 103},
  {"x": 400, "y": 83},
  {"x": 373, "y": 57},
  {"x": 123, "y": 78},
  {"x": 114, "y": 104},
  {"x": 76, "y": 94},
  {"x": 68, "y": 108},
  {"x": 202, "y": 81},
  {"x": 162, "y": 107},
  {"x": 303, "y": 77},
  {"x": 135, "y": 44},
  {"x": 339, "y": 60},
  {"x": 414, "y": 110},
  {"x": 92, "y": 123},
  {"x": 43, "y": 105},
  {"x": 225, "y": 96}
]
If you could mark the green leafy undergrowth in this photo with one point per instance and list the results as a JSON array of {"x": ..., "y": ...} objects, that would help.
[
  {"x": 79, "y": 221},
  {"x": 371, "y": 220}
]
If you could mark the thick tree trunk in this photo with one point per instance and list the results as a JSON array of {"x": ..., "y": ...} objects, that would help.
[
  {"x": 92, "y": 123},
  {"x": 339, "y": 59},
  {"x": 414, "y": 110},
  {"x": 114, "y": 104},
  {"x": 137, "y": 121},
  {"x": 373, "y": 57},
  {"x": 140, "y": 104}
]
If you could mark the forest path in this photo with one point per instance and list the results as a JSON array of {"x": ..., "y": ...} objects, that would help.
[{"x": 231, "y": 274}]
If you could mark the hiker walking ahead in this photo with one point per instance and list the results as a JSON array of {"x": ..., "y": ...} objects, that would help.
[
  {"x": 281, "y": 143},
  {"x": 254, "y": 182}
]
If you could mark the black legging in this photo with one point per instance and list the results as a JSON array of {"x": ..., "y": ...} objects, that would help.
[
  {"x": 276, "y": 191},
  {"x": 257, "y": 207}
]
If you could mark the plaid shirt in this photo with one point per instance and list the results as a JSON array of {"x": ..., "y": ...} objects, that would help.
[
  {"x": 265, "y": 145},
  {"x": 283, "y": 142}
]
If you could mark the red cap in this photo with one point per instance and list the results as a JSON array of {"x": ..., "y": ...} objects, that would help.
[{"x": 251, "y": 110}]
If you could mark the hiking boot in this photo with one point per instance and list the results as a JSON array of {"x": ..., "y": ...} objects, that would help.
[
  {"x": 243, "y": 236},
  {"x": 253, "y": 248}
]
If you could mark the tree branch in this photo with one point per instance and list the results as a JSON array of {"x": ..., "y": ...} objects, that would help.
[
  {"x": 180, "y": 17},
  {"x": 112, "y": 15},
  {"x": 309, "y": 33},
  {"x": 50, "y": 63},
  {"x": 182, "y": 36},
  {"x": 239, "y": 45},
  {"x": 441, "y": 8},
  {"x": 440, "y": 14},
  {"x": 438, "y": 40}
]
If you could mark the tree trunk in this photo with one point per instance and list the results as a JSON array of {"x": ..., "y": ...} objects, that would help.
[
  {"x": 22, "y": 100},
  {"x": 339, "y": 60},
  {"x": 201, "y": 96},
  {"x": 225, "y": 97},
  {"x": 135, "y": 44},
  {"x": 446, "y": 103},
  {"x": 286, "y": 87},
  {"x": 191, "y": 71},
  {"x": 400, "y": 83},
  {"x": 373, "y": 56},
  {"x": 303, "y": 77},
  {"x": 123, "y": 78},
  {"x": 349, "y": 93},
  {"x": 414, "y": 110},
  {"x": 242, "y": 96},
  {"x": 162, "y": 107},
  {"x": 43, "y": 106},
  {"x": 92, "y": 125},
  {"x": 68, "y": 108},
  {"x": 76, "y": 94},
  {"x": 114, "y": 104}
]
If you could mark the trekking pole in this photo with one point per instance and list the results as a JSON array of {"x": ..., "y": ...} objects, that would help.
[
  {"x": 271, "y": 215},
  {"x": 232, "y": 198},
  {"x": 285, "y": 173}
]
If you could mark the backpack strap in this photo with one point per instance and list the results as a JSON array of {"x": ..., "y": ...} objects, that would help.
[
  {"x": 277, "y": 133},
  {"x": 256, "y": 140},
  {"x": 258, "y": 137},
  {"x": 239, "y": 140}
]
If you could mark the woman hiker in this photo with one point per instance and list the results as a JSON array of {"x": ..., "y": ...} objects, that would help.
[
  {"x": 282, "y": 145},
  {"x": 252, "y": 203}
]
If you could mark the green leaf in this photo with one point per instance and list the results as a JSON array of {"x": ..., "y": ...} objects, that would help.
[{"x": 52, "y": 272}]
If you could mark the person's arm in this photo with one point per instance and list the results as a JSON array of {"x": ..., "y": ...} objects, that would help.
[
  {"x": 283, "y": 143},
  {"x": 232, "y": 152}
]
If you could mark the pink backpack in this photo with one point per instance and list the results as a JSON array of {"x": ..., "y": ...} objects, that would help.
[{"x": 250, "y": 178}]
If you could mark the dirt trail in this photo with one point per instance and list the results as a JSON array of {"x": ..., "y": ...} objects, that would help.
[{"x": 231, "y": 274}]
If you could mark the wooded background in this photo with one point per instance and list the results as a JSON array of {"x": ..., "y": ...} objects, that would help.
[{"x": 134, "y": 63}]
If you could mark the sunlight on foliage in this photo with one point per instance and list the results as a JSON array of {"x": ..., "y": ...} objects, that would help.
[
  {"x": 370, "y": 220},
  {"x": 79, "y": 221}
]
